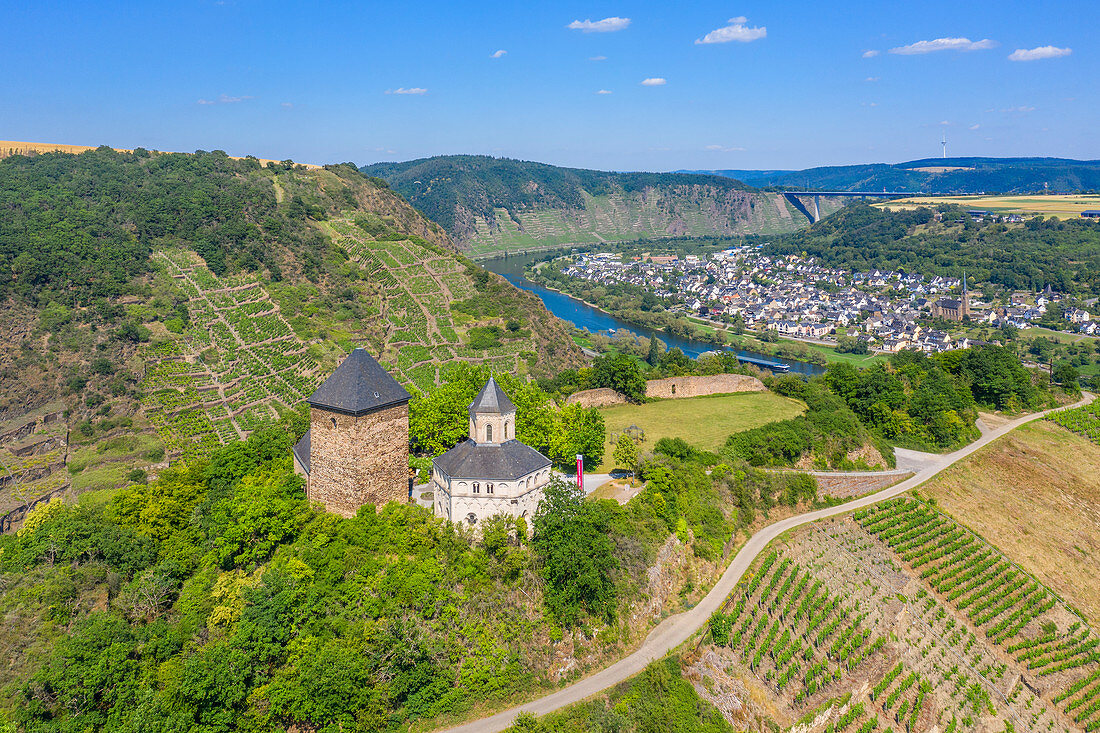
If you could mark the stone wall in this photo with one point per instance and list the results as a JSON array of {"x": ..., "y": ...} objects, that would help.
[
  {"x": 596, "y": 398},
  {"x": 358, "y": 460},
  {"x": 672, "y": 388}
]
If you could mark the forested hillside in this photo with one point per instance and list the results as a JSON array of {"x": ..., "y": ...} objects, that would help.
[
  {"x": 159, "y": 305},
  {"x": 497, "y": 204},
  {"x": 939, "y": 175},
  {"x": 1063, "y": 254}
]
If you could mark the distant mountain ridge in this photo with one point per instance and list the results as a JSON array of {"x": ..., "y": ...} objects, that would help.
[
  {"x": 497, "y": 204},
  {"x": 937, "y": 176}
]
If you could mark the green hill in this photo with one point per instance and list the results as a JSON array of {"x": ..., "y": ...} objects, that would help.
[
  {"x": 491, "y": 205},
  {"x": 161, "y": 305},
  {"x": 938, "y": 175}
]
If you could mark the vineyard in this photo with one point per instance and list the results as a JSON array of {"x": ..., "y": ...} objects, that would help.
[
  {"x": 1081, "y": 420},
  {"x": 900, "y": 619},
  {"x": 253, "y": 349}
]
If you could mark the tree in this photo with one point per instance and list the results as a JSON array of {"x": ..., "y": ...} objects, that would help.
[
  {"x": 620, "y": 373},
  {"x": 1066, "y": 375},
  {"x": 654, "y": 356},
  {"x": 626, "y": 453},
  {"x": 575, "y": 554}
]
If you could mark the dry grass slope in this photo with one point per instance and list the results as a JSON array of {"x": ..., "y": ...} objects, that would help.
[{"x": 1035, "y": 494}]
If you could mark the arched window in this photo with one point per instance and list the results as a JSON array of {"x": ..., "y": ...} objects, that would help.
[
  {"x": 488, "y": 433},
  {"x": 333, "y": 421},
  {"x": 488, "y": 488},
  {"x": 477, "y": 487},
  {"x": 507, "y": 425}
]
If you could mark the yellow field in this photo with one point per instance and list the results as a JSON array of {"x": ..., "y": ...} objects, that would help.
[
  {"x": 1067, "y": 206},
  {"x": 12, "y": 147}
]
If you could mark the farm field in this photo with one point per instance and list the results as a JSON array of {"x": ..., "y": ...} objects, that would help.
[
  {"x": 1055, "y": 205},
  {"x": 705, "y": 422},
  {"x": 897, "y": 618},
  {"x": 1036, "y": 493},
  {"x": 624, "y": 217}
]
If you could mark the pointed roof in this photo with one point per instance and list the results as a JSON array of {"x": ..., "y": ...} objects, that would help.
[
  {"x": 491, "y": 399},
  {"x": 358, "y": 386}
]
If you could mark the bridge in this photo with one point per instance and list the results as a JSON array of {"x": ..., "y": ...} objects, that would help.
[{"x": 815, "y": 217}]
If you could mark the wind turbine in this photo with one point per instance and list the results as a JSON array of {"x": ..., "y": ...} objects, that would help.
[{"x": 944, "y": 143}]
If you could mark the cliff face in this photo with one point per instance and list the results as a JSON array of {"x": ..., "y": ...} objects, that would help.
[{"x": 494, "y": 205}]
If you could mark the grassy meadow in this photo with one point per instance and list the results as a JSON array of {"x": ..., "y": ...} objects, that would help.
[{"x": 705, "y": 422}]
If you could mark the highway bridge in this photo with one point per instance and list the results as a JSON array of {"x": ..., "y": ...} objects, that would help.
[{"x": 815, "y": 215}]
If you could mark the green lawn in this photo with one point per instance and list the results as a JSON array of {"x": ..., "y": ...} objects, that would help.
[{"x": 705, "y": 422}]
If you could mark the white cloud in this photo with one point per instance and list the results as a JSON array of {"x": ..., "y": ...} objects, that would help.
[
  {"x": 870, "y": 53},
  {"x": 943, "y": 44},
  {"x": 1039, "y": 53},
  {"x": 975, "y": 126},
  {"x": 497, "y": 54},
  {"x": 286, "y": 105},
  {"x": 1019, "y": 110},
  {"x": 871, "y": 78},
  {"x": 224, "y": 99},
  {"x": 735, "y": 31},
  {"x": 604, "y": 91},
  {"x": 597, "y": 58},
  {"x": 410, "y": 90},
  {"x": 654, "y": 81},
  {"x": 607, "y": 25},
  {"x": 724, "y": 149}
]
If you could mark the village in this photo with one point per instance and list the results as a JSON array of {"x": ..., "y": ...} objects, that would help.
[{"x": 800, "y": 299}]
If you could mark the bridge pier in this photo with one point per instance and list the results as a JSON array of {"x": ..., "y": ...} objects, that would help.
[{"x": 817, "y": 209}]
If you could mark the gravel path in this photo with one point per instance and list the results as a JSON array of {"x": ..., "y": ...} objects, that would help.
[{"x": 675, "y": 630}]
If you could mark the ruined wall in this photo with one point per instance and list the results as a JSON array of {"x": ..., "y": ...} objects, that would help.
[
  {"x": 358, "y": 460},
  {"x": 699, "y": 386},
  {"x": 596, "y": 398},
  {"x": 672, "y": 388}
]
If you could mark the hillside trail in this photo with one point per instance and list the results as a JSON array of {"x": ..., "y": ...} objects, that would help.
[{"x": 675, "y": 630}]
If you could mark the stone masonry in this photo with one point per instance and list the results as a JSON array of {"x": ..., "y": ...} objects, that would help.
[
  {"x": 673, "y": 388},
  {"x": 357, "y": 460}
]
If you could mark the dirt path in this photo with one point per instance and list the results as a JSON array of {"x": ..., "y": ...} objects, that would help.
[{"x": 675, "y": 630}]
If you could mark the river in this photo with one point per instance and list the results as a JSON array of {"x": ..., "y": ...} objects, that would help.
[{"x": 584, "y": 316}]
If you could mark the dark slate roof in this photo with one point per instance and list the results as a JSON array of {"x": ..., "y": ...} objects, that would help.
[
  {"x": 507, "y": 461},
  {"x": 359, "y": 385},
  {"x": 301, "y": 451},
  {"x": 491, "y": 399}
]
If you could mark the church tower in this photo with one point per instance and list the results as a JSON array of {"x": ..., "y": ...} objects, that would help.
[
  {"x": 964, "y": 305},
  {"x": 356, "y": 450},
  {"x": 492, "y": 416}
]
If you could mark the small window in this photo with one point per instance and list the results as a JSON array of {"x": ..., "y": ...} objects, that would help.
[
  {"x": 471, "y": 518},
  {"x": 488, "y": 488},
  {"x": 477, "y": 488},
  {"x": 333, "y": 421},
  {"x": 507, "y": 427},
  {"x": 488, "y": 433}
]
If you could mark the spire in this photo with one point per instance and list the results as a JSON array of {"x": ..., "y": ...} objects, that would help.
[{"x": 491, "y": 400}]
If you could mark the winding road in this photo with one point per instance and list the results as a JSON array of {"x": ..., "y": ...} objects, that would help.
[{"x": 675, "y": 630}]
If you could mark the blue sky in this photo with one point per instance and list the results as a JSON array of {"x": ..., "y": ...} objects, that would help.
[{"x": 782, "y": 85}]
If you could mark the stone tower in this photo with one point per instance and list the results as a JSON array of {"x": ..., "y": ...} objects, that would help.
[
  {"x": 356, "y": 450},
  {"x": 492, "y": 416}
]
